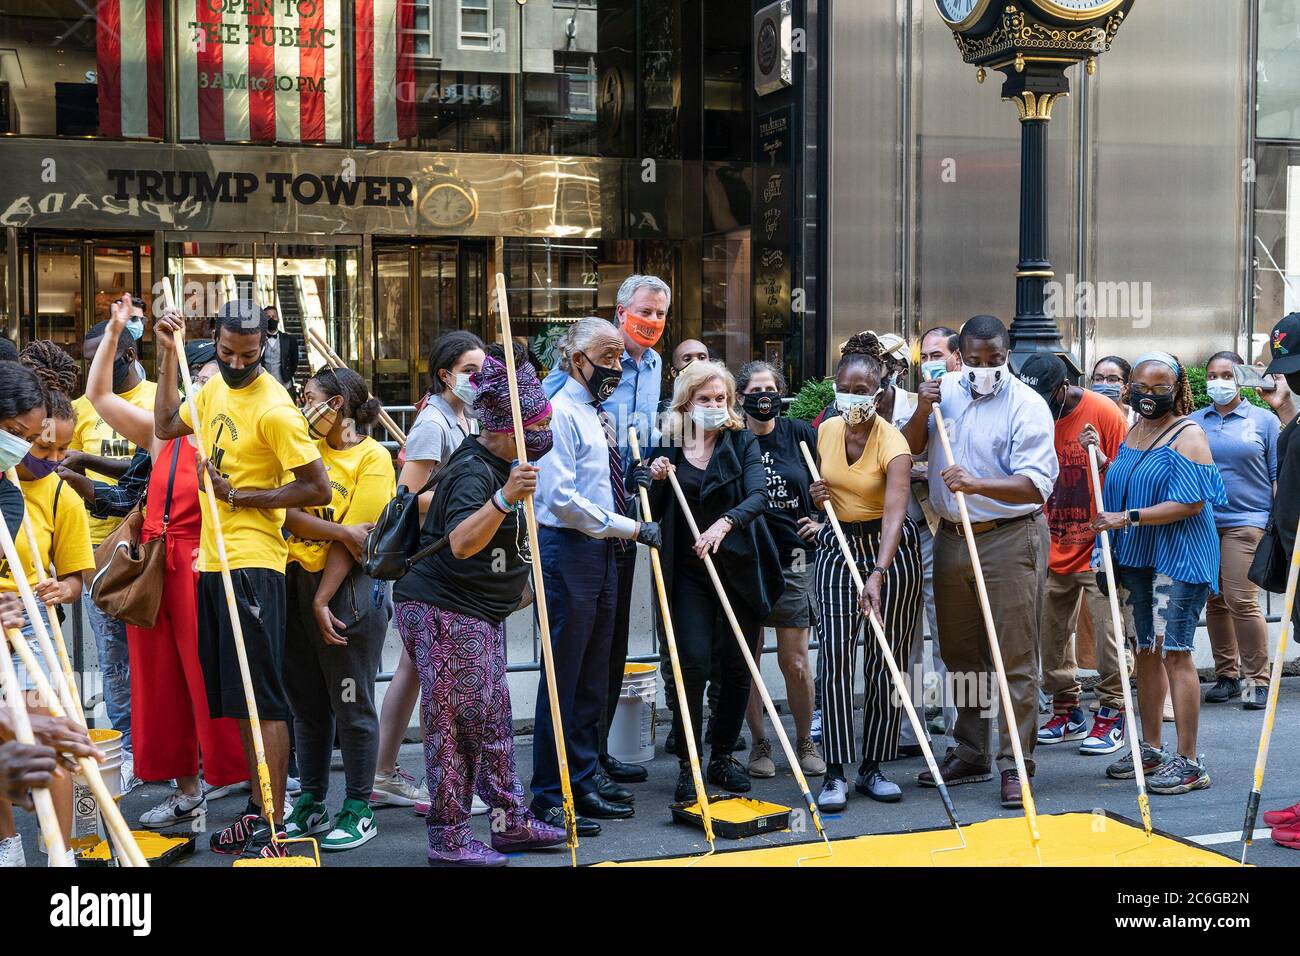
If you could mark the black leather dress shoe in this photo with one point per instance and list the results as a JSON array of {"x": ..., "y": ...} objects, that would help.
[
  {"x": 555, "y": 817},
  {"x": 598, "y": 808},
  {"x": 621, "y": 772},
  {"x": 612, "y": 792}
]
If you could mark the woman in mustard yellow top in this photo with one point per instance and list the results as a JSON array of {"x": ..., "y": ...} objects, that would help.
[
  {"x": 338, "y": 616},
  {"x": 866, "y": 470}
]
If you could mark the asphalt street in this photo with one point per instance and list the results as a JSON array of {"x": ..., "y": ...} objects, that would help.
[{"x": 1065, "y": 781}]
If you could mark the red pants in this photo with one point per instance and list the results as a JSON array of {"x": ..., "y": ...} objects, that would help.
[{"x": 169, "y": 706}]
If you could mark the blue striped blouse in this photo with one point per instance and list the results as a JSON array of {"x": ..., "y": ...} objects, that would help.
[{"x": 1186, "y": 550}]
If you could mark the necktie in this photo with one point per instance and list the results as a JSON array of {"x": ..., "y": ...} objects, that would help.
[{"x": 615, "y": 466}]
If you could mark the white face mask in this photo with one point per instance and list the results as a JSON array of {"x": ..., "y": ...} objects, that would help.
[
  {"x": 1221, "y": 392},
  {"x": 12, "y": 450},
  {"x": 984, "y": 381},
  {"x": 709, "y": 419},
  {"x": 855, "y": 409},
  {"x": 464, "y": 390}
]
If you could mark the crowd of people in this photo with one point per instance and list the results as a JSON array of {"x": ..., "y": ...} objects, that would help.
[{"x": 1187, "y": 497}]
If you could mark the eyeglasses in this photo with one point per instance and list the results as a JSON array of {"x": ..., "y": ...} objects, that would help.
[
  {"x": 1156, "y": 390},
  {"x": 1110, "y": 379}
]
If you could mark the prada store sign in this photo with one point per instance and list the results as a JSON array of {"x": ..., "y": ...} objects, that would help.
[{"x": 178, "y": 188}]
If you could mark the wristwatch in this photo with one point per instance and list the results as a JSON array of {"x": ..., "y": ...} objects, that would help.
[{"x": 1133, "y": 517}]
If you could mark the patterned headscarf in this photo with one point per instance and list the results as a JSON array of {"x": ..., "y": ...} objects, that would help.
[{"x": 493, "y": 400}]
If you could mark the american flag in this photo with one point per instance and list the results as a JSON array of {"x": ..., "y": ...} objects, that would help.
[{"x": 257, "y": 70}]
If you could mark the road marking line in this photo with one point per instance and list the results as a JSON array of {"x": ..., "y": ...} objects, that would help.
[{"x": 1230, "y": 836}]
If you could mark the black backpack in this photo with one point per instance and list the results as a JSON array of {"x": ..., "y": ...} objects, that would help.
[{"x": 393, "y": 544}]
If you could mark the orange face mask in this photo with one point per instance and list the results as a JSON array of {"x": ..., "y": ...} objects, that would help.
[{"x": 645, "y": 332}]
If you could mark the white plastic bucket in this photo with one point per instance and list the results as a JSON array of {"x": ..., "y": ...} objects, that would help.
[
  {"x": 632, "y": 731},
  {"x": 86, "y": 822}
]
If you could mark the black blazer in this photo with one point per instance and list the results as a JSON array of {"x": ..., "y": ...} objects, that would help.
[
  {"x": 290, "y": 352},
  {"x": 735, "y": 482}
]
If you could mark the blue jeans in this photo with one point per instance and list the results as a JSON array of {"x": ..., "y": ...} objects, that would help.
[
  {"x": 114, "y": 667},
  {"x": 1155, "y": 606}
]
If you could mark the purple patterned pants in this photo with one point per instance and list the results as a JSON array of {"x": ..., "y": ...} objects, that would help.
[{"x": 468, "y": 733}]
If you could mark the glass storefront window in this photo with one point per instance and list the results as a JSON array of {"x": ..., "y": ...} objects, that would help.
[
  {"x": 1278, "y": 76},
  {"x": 1277, "y": 242},
  {"x": 58, "y": 292},
  {"x": 66, "y": 73},
  {"x": 485, "y": 76}
]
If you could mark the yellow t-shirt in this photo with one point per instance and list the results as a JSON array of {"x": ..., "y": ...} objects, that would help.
[
  {"x": 363, "y": 482},
  {"x": 858, "y": 490},
  {"x": 62, "y": 534},
  {"x": 94, "y": 437},
  {"x": 253, "y": 435}
]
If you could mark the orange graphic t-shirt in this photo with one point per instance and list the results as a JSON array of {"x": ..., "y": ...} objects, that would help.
[{"x": 1071, "y": 509}]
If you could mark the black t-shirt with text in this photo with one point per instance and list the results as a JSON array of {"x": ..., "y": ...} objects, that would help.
[
  {"x": 788, "y": 479},
  {"x": 486, "y": 585}
]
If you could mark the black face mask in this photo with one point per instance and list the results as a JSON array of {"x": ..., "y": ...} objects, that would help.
[
  {"x": 1293, "y": 382},
  {"x": 1056, "y": 407},
  {"x": 602, "y": 381},
  {"x": 1151, "y": 406},
  {"x": 762, "y": 406},
  {"x": 122, "y": 367},
  {"x": 239, "y": 377}
]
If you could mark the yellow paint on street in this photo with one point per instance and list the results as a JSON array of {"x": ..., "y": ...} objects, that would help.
[{"x": 1068, "y": 839}]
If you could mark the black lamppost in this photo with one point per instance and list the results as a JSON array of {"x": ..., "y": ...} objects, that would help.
[{"x": 1032, "y": 43}]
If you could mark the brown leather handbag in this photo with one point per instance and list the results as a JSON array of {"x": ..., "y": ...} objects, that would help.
[{"x": 130, "y": 575}]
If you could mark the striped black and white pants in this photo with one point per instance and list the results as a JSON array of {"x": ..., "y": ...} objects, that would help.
[{"x": 842, "y": 621}]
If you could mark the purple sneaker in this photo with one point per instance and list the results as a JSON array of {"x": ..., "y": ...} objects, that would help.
[
  {"x": 532, "y": 834},
  {"x": 473, "y": 853}
]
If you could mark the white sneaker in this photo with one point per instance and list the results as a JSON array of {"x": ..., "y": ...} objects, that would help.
[
  {"x": 11, "y": 851},
  {"x": 478, "y": 807},
  {"x": 129, "y": 780},
  {"x": 216, "y": 793},
  {"x": 177, "y": 808},
  {"x": 397, "y": 789}
]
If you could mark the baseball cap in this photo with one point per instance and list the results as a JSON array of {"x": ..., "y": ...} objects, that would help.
[
  {"x": 1043, "y": 372},
  {"x": 895, "y": 346},
  {"x": 200, "y": 353},
  {"x": 1285, "y": 343}
]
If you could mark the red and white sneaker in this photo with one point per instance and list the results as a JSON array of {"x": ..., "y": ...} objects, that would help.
[
  {"x": 1289, "y": 817},
  {"x": 1107, "y": 734}
]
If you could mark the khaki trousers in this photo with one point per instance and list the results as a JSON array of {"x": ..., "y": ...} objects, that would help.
[
  {"x": 1014, "y": 562},
  {"x": 1233, "y": 616},
  {"x": 1061, "y": 595}
]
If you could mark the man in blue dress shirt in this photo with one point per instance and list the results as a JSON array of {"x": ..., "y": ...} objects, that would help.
[
  {"x": 641, "y": 310},
  {"x": 587, "y": 524},
  {"x": 1003, "y": 439}
]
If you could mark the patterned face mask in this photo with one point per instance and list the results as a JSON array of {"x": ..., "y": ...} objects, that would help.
[
  {"x": 321, "y": 419},
  {"x": 855, "y": 409}
]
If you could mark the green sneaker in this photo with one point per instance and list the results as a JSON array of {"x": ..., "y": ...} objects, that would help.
[
  {"x": 353, "y": 826},
  {"x": 307, "y": 818}
]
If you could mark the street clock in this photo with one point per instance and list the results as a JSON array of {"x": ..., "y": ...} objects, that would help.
[
  {"x": 1007, "y": 35},
  {"x": 967, "y": 16},
  {"x": 1032, "y": 43}
]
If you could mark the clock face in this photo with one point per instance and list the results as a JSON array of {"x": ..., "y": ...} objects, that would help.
[
  {"x": 1077, "y": 9},
  {"x": 447, "y": 204},
  {"x": 961, "y": 14}
]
